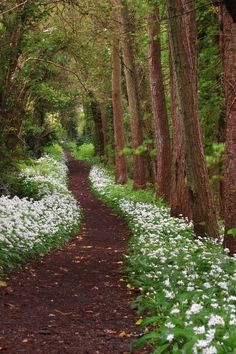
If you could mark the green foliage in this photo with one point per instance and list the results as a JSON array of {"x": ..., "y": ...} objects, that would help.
[
  {"x": 55, "y": 151},
  {"x": 211, "y": 102},
  {"x": 86, "y": 152},
  {"x": 216, "y": 156},
  {"x": 232, "y": 232}
]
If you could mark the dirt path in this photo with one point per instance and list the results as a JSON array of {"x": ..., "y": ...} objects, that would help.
[{"x": 72, "y": 301}]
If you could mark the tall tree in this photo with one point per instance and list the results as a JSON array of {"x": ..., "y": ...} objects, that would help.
[
  {"x": 159, "y": 109},
  {"x": 183, "y": 40},
  {"x": 133, "y": 95},
  {"x": 180, "y": 198},
  {"x": 120, "y": 159},
  {"x": 229, "y": 59},
  {"x": 102, "y": 108}
]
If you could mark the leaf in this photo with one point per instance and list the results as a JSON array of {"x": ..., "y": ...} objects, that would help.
[
  {"x": 64, "y": 313},
  {"x": 232, "y": 232},
  {"x": 122, "y": 334},
  {"x": 129, "y": 286},
  {"x": 2, "y": 283},
  {"x": 161, "y": 349},
  {"x": 139, "y": 321}
]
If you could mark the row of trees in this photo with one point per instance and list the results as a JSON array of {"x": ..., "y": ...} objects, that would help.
[{"x": 156, "y": 80}]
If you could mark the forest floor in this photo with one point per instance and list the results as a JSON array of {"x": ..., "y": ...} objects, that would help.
[{"x": 73, "y": 300}]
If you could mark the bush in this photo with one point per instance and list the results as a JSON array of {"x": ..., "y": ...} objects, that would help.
[{"x": 86, "y": 152}]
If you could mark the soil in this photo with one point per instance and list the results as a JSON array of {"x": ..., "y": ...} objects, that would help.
[{"x": 75, "y": 299}]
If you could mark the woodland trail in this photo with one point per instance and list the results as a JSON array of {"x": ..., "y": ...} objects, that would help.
[{"x": 72, "y": 300}]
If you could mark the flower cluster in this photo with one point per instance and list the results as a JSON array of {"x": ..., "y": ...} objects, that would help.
[
  {"x": 187, "y": 285},
  {"x": 29, "y": 226}
]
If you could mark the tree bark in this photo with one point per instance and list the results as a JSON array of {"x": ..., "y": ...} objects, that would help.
[
  {"x": 159, "y": 107},
  {"x": 231, "y": 8},
  {"x": 180, "y": 198},
  {"x": 229, "y": 59},
  {"x": 184, "y": 60},
  {"x": 133, "y": 97},
  {"x": 96, "y": 114},
  {"x": 105, "y": 130},
  {"x": 120, "y": 159}
]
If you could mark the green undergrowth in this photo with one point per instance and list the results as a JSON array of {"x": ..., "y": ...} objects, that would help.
[
  {"x": 85, "y": 152},
  {"x": 187, "y": 286}
]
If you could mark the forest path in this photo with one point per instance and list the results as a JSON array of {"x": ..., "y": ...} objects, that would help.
[{"x": 72, "y": 300}]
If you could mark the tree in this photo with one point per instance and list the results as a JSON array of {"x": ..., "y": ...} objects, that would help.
[
  {"x": 120, "y": 159},
  {"x": 159, "y": 109},
  {"x": 180, "y": 198},
  {"x": 231, "y": 8},
  {"x": 181, "y": 21},
  {"x": 133, "y": 96},
  {"x": 229, "y": 58}
]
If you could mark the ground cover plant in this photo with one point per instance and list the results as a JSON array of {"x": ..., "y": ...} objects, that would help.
[
  {"x": 187, "y": 286},
  {"x": 44, "y": 218}
]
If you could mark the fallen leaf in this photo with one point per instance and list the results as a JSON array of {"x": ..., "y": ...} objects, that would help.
[
  {"x": 2, "y": 283},
  {"x": 138, "y": 322},
  {"x": 109, "y": 331},
  {"x": 25, "y": 340},
  {"x": 64, "y": 313},
  {"x": 64, "y": 269},
  {"x": 129, "y": 286},
  {"x": 119, "y": 262},
  {"x": 11, "y": 306},
  {"x": 122, "y": 334}
]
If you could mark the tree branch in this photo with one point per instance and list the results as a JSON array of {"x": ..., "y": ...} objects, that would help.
[{"x": 61, "y": 67}]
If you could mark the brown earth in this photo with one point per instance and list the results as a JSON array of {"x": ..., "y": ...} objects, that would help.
[{"x": 73, "y": 300}]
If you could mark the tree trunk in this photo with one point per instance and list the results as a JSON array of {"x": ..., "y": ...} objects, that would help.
[
  {"x": 105, "y": 130},
  {"x": 184, "y": 60},
  {"x": 231, "y": 7},
  {"x": 99, "y": 148},
  {"x": 159, "y": 107},
  {"x": 229, "y": 59},
  {"x": 133, "y": 97},
  {"x": 180, "y": 198},
  {"x": 120, "y": 159}
]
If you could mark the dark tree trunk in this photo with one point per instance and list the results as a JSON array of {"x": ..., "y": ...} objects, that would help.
[
  {"x": 159, "y": 108},
  {"x": 184, "y": 60},
  {"x": 180, "y": 198},
  {"x": 231, "y": 8},
  {"x": 105, "y": 130},
  {"x": 96, "y": 114},
  {"x": 120, "y": 159},
  {"x": 229, "y": 59}
]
